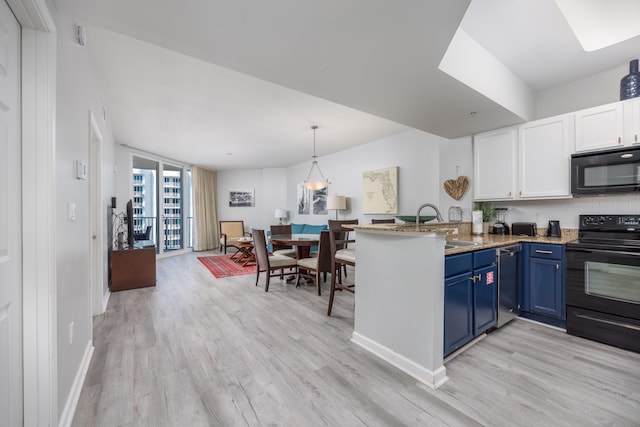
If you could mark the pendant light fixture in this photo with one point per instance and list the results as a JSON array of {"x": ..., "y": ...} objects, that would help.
[{"x": 318, "y": 184}]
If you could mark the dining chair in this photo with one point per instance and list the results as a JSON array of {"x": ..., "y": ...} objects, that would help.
[
  {"x": 143, "y": 236},
  {"x": 317, "y": 264},
  {"x": 341, "y": 257},
  {"x": 272, "y": 263},
  {"x": 383, "y": 221},
  {"x": 343, "y": 234},
  {"x": 282, "y": 249}
]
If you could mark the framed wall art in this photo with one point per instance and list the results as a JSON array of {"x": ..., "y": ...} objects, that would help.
[
  {"x": 380, "y": 191},
  {"x": 241, "y": 198}
]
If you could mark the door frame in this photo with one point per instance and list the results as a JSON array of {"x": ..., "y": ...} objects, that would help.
[
  {"x": 96, "y": 215},
  {"x": 39, "y": 54}
]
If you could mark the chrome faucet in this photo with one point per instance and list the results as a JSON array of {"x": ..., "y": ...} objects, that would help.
[{"x": 438, "y": 215}]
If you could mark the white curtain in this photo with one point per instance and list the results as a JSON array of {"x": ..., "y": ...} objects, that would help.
[{"x": 206, "y": 219}]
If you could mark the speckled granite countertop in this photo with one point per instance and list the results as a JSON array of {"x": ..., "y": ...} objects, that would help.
[{"x": 462, "y": 231}]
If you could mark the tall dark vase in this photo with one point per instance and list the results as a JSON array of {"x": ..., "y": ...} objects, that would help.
[{"x": 630, "y": 84}]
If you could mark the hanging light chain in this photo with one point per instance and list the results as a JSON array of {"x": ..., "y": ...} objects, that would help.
[
  {"x": 314, "y": 127},
  {"x": 314, "y": 164}
]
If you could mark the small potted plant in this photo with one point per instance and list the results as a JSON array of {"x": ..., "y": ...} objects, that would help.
[{"x": 488, "y": 213}]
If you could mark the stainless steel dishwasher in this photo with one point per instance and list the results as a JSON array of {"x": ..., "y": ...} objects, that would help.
[{"x": 508, "y": 283}]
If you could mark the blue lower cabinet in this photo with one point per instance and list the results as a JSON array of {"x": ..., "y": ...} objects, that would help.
[
  {"x": 458, "y": 311},
  {"x": 485, "y": 298},
  {"x": 470, "y": 297},
  {"x": 546, "y": 294},
  {"x": 543, "y": 296}
]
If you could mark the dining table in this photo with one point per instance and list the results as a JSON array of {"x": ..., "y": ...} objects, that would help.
[{"x": 301, "y": 242}]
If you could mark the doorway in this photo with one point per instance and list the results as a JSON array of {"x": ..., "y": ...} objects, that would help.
[{"x": 96, "y": 254}]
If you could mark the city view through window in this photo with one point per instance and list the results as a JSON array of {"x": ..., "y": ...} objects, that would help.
[{"x": 170, "y": 195}]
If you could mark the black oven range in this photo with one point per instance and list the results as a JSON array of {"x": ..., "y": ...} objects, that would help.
[{"x": 603, "y": 280}]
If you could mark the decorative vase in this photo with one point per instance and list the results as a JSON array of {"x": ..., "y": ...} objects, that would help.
[
  {"x": 485, "y": 227},
  {"x": 630, "y": 84}
]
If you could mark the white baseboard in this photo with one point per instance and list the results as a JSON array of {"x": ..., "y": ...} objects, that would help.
[
  {"x": 105, "y": 300},
  {"x": 433, "y": 379},
  {"x": 74, "y": 395}
]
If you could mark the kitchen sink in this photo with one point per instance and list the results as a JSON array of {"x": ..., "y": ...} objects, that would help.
[{"x": 453, "y": 244}]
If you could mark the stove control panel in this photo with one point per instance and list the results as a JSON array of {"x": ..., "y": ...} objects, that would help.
[{"x": 609, "y": 221}]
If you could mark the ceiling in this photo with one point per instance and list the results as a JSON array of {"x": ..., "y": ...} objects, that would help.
[{"x": 230, "y": 85}]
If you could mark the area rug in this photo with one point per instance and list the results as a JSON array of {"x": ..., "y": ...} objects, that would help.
[{"x": 223, "y": 266}]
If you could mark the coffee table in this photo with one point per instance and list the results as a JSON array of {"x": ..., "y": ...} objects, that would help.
[{"x": 245, "y": 254}]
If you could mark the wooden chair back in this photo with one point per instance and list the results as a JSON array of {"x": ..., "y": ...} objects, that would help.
[
  {"x": 319, "y": 264},
  {"x": 280, "y": 229},
  {"x": 324, "y": 252},
  {"x": 340, "y": 258},
  {"x": 260, "y": 247},
  {"x": 340, "y": 232},
  {"x": 232, "y": 228}
]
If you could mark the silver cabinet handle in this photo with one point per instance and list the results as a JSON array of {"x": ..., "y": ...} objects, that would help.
[{"x": 539, "y": 251}]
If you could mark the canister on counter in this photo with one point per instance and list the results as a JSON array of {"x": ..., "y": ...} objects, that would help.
[{"x": 476, "y": 222}]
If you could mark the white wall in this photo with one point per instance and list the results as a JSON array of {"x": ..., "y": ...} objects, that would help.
[
  {"x": 269, "y": 188},
  {"x": 123, "y": 176},
  {"x": 456, "y": 159},
  {"x": 591, "y": 91},
  {"x": 79, "y": 92},
  {"x": 416, "y": 153}
]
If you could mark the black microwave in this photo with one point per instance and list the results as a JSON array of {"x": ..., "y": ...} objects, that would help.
[{"x": 610, "y": 171}]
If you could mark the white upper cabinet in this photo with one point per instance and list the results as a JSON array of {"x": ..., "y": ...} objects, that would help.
[
  {"x": 544, "y": 158},
  {"x": 600, "y": 127},
  {"x": 494, "y": 157},
  {"x": 632, "y": 122},
  {"x": 531, "y": 161}
]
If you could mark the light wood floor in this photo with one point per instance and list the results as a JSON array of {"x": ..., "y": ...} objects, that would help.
[{"x": 200, "y": 351}]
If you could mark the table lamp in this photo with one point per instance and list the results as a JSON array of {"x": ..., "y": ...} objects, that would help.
[
  {"x": 280, "y": 214},
  {"x": 337, "y": 203}
]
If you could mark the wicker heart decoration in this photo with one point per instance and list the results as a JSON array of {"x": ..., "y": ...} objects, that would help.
[{"x": 457, "y": 187}]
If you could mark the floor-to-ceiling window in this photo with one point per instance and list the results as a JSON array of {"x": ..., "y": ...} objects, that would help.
[
  {"x": 172, "y": 208},
  {"x": 162, "y": 201}
]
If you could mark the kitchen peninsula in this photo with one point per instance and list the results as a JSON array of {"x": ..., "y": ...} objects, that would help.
[
  {"x": 399, "y": 303},
  {"x": 399, "y": 306}
]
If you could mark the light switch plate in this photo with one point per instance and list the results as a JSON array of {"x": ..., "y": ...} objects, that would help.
[
  {"x": 81, "y": 170},
  {"x": 71, "y": 211}
]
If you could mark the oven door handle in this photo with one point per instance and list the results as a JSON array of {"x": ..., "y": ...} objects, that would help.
[{"x": 604, "y": 251}]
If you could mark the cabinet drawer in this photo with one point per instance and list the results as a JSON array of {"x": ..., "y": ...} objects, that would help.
[
  {"x": 483, "y": 258},
  {"x": 547, "y": 251},
  {"x": 456, "y": 264}
]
